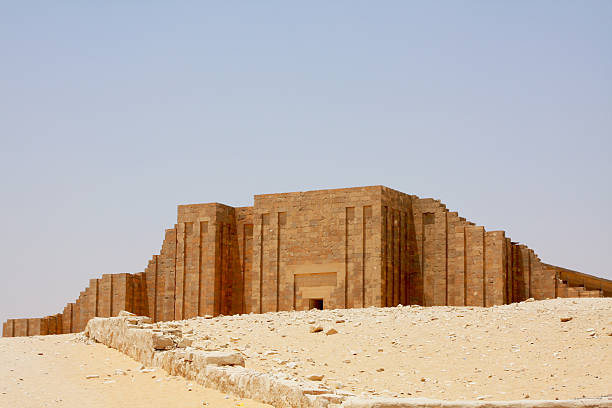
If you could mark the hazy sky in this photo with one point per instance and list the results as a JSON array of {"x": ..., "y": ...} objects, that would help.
[{"x": 114, "y": 112}]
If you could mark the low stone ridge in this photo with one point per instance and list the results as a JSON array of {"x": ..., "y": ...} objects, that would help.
[
  {"x": 276, "y": 359},
  {"x": 222, "y": 370}
]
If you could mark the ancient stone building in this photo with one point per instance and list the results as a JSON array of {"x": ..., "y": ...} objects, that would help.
[{"x": 354, "y": 247}]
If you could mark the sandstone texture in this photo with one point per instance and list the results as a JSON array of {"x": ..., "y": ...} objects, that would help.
[
  {"x": 325, "y": 249},
  {"x": 519, "y": 355}
]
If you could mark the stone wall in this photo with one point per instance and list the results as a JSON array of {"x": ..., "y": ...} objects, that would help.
[
  {"x": 220, "y": 369},
  {"x": 340, "y": 248},
  {"x": 322, "y": 245}
]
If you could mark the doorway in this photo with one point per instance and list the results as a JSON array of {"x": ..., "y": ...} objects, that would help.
[{"x": 315, "y": 304}]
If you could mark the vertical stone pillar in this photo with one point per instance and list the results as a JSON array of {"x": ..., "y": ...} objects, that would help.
[
  {"x": 474, "y": 240},
  {"x": 75, "y": 317},
  {"x": 92, "y": 298},
  {"x": 495, "y": 243},
  {"x": 59, "y": 323},
  {"x": 256, "y": 278},
  {"x": 67, "y": 319},
  {"x": 207, "y": 268},
  {"x": 105, "y": 296},
  {"x": 371, "y": 258},
  {"x": 179, "y": 291},
  {"x": 192, "y": 269},
  {"x": 21, "y": 327},
  {"x": 119, "y": 293},
  {"x": 524, "y": 273},
  {"x": 268, "y": 264},
  {"x": 509, "y": 298},
  {"x": 151, "y": 288},
  {"x": 456, "y": 265},
  {"x": 167, "y": 270},
  {"x": 247, "y": 268},
  {"x": 7, "y": 328},
  {"x": 454, "y": 283},
  {"x": 51, "y": 324}
]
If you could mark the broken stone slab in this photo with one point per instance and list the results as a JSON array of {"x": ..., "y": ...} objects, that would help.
[
  {"x": 185, "y": 342},
  {"x": 220, "y": 358},
  {"x": 333, "y": 398},
  {"x": 173, "y": 332},
  {"x": 162, "y": 342}
]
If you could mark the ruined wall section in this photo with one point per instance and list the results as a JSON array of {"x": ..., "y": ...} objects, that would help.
[
  {"x": 577, "y": 284},
  {"x": 200, "y": 270},
  {"x": 104, "y": 297},
  {"x": 443, "y": 259}
]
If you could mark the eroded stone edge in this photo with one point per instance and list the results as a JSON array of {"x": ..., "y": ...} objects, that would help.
[{"x": 133, "y": 336}]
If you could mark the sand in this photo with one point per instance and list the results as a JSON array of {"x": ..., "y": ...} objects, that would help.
[
  {"x": 500, "y": 353},
  {"x": 51, "y": 371}
]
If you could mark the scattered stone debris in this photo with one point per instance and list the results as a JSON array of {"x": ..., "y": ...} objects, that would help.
[{"x": 394, "y": 352}]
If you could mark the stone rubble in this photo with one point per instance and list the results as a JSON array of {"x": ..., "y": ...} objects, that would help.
[{"x": 232, "y": 354}]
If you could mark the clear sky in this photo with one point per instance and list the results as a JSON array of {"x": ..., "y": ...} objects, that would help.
[{"x": 114, "y": 112}]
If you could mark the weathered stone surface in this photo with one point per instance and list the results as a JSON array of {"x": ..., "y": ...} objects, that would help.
[
  {"x": 216, "y": 369},
  {"x": 220, "y": 358},
  {"x": 224, "y": 370},
  {"x": 340, "y": 248},
  {"x": 162, "y": 342}
]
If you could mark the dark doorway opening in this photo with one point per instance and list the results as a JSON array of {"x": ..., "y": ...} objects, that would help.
[{"x": 315, "y": 304}]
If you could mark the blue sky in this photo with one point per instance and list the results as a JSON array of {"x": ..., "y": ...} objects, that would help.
[{"x": 113, "y": 113}]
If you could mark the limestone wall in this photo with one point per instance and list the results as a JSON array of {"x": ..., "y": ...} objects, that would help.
[
  {"x": 316, "y": 245},
  {"x": 354, "y": 247},
  {"x": 432, "y": 256}
]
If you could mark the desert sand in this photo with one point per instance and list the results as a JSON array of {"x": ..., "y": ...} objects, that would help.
[
  {"x": 52, "y": 371},
  {"x": 548, "y": 349},
  {"x": 506, "y": 352}
]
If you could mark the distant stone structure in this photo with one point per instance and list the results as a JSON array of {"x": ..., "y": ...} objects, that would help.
[{"x": 341, "y": 248}]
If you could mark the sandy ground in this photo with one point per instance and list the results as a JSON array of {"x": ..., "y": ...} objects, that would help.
[
  {"x": 501, "y": 353},
  {"x": 509, "y": 352},
  {"x": 51, "y": 371}
]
